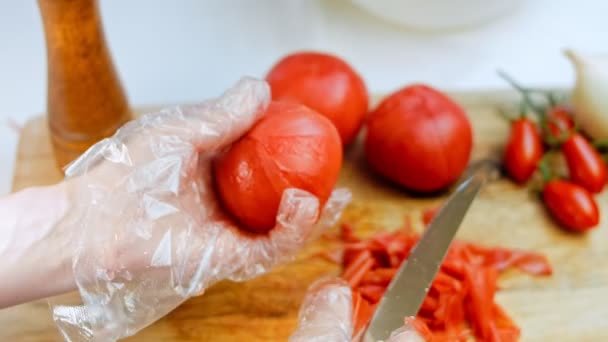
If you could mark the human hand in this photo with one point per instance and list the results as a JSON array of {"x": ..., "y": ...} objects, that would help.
[
  {"x": 150, "y": 230},
  {"x": 326, "y": 315}
]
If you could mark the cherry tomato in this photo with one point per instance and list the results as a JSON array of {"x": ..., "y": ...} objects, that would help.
[
  {"x": 559, "y": 121},
  {"x": 585, "y": 164},
  {"x": 524, "y": 150},
  {"x": 571, "y": 205},
  {"x": 290, "y": 147},
  {"x": 419, "y": 138},
  {"x": 325, "y": 83}
]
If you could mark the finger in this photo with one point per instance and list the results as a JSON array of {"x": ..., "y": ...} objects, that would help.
[
  {"x": 209, "y": 125},
  {"x": 296, "y": 217},
  {"x": 220, "y": 122},
  {"x": 326, "y": 313},
  {"x": 174, "y": 131},
  {"x": 297, "y": 222},
  {"x": 406, "y": 333},
  {"x": 332, "y": 211}
]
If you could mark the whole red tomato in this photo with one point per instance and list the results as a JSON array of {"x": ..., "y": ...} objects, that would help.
[
  {"x": 325, "y": 83},
  {"x": 524, "y": 150},
  {"x": 419, "y": 138},
  {"x": 571, "y": 205},
  {"x": 290, "y": 147},
  {"x": 559, "y": 121},
  {"x": 585, "y": 164}
]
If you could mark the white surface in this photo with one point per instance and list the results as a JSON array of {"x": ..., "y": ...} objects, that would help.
[
  {"x": 436, "y": 15},
  {"x": 187, "y": 50}
]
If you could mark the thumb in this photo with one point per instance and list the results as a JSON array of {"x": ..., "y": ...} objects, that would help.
[{"x": 326, "y": 312}]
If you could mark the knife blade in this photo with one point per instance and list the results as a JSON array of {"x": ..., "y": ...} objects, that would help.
[{"x": 407, "y": 290}]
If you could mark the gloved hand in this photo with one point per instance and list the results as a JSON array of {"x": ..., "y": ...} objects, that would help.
[
  {"x": 151, "y": 232},
  {"x": 326, "y": 315}
]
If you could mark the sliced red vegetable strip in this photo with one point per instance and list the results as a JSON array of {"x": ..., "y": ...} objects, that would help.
[
  {"x": 359, "y": 266},
  {"x": 460, "y": 302},
  {"x": 362, "y": 311},
  {"x": 334, "y": 256},
  {"x": 379, "y": 276},
  {"x": 506, "y": 330},
  {"x": 347, "y": 234},
  {"x": 429, "y": 305},
  {"x": 372, "y": 293},
  {"x": 483, "y": 281},
  {"x": 429, "y": 214}
]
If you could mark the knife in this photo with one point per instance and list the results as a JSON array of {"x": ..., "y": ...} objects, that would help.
[{"x": 407, "y": 290}]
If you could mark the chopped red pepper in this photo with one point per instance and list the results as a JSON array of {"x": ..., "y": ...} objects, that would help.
[
  {"x": 477, "y": 302},
  {"x": 379, "y": 276},
  {"x": 362, "y": 311},
  {"x": 361, "y": 264},
  {"x": 372, "y": 293},
  {"x": 429, "y": 214},
  {"x": 429, "y": 305},
  {"x": 347, "y": 234},
  {"x": 334, "y": 256},
  {"x": 460, "y": 298},
  {"x": 503, "y": 327}
]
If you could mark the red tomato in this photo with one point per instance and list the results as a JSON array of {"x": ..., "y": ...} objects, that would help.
[
  {"x": 571, "y": 205},
  {"x": 324, "y": 83},
  {"x": 419, "y": 138},
  {"x": 524, "y": 150},
  {"x": 585, "y": 164},
  {"x": 559, "y": 121},
  {"x": 290, "y": 147}
]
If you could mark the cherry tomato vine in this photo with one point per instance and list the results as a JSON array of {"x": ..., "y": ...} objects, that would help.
[{"x": 569, "y": 198}]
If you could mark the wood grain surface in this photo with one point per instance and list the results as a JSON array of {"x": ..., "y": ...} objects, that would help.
[{"x": 571, "y": 305}]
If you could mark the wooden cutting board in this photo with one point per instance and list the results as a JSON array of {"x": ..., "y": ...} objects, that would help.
[{"x": 572, "y": 305}]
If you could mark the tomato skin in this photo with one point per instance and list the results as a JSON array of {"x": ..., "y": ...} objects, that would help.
[
  {"x": 559, "y": 121},
  {"x": 290, "y": 147},
  {"x": 585, "y": 164},
  {"x": 419, "y": 138},
  {"x": 326, "y": 84},
  {"x": 571, "y": 205},
  {"x": 523, "y": 151}
]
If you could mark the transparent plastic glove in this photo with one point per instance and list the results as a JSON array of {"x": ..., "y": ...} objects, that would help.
[
  {"x": 326, "y": 315},
  {"x": 151, "y": 232}
]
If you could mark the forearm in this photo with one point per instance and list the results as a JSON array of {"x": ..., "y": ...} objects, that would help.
[{"x": 35, "y": 250}]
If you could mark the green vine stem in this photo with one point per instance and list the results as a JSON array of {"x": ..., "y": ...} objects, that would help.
[
  {"x": 544, "y": 168},
  {"x": 503, "y": 113},
  {"x": 552, "y": 99},
  {"x": 601, "y": 144},
  {"x": 525, "y": 92}
]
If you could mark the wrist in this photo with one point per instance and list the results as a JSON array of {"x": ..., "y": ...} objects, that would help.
[{"x": 35, "y": 248}]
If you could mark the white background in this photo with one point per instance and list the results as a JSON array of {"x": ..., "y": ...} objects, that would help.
[{"x": 187, "y": 50}]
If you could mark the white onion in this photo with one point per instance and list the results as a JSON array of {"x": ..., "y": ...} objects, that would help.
[{"x": 590, "y": 94}]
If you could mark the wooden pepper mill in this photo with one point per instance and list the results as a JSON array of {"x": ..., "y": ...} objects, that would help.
[{"x": 85, "y": 99}]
